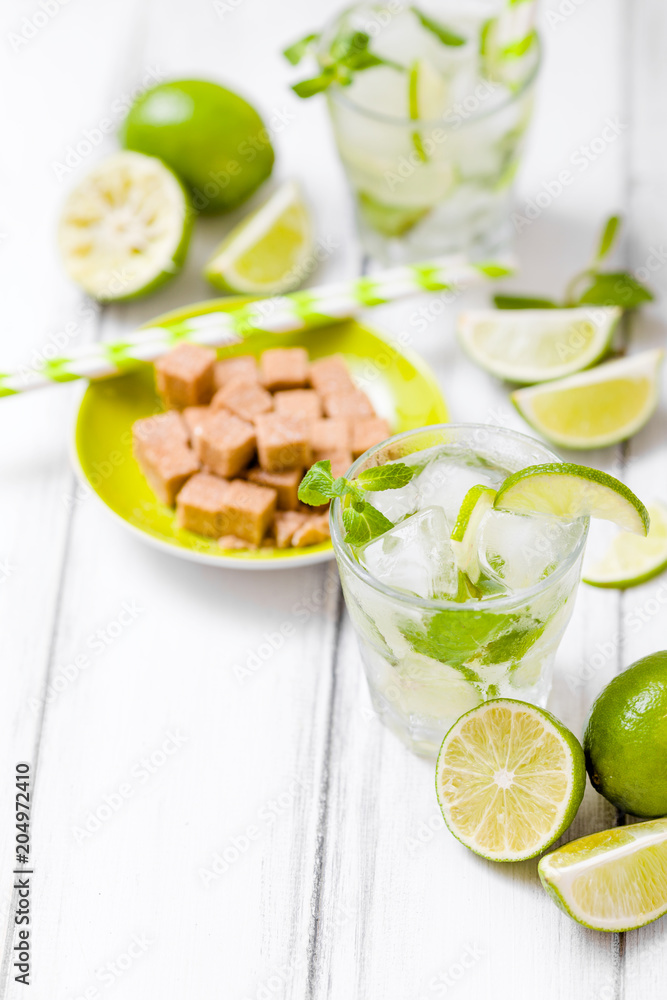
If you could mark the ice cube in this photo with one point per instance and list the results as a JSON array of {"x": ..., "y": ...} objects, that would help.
[
  {"x": 519, "y": 550},
  {"x": 395, "y": 504},
  {"x": 446, "y": 479},
  {"x": 415, "y": 556}
]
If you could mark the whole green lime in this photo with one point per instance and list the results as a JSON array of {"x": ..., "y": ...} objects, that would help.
[
  {"x": 626, "y": 738},
  {"x": 212, "y": 138}
]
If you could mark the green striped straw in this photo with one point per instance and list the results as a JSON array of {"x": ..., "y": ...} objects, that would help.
[{"x": 304, "y": 310}]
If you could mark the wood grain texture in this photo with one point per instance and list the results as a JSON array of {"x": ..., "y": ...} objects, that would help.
[{"x": 218, "y": 811}]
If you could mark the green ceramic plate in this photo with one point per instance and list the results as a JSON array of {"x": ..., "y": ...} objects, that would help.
[{"x": 402, "y": 388}]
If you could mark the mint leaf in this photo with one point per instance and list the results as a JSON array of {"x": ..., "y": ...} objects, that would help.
[
  {"x": 295, "y": 52},
  {"x": 317, "y": 484},
  {"x": 455, "y": 636},
  {"x": 615, "y": 288},
  {"x": 608, "y": 236},
  {"x": 363, "y": 522},
  {"x": 514, "y": 645},
  {"x": 442, "y": 33},
  {"x": 386, "y": 477},
  {"x": 523, "y": 302},
  {"x": 345, "y": 47},
  {"x": 308, "y": 88}
]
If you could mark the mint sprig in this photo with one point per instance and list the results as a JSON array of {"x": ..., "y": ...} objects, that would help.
[
  {"x": 362, "y": 521},
  {"x": 349, "y": 53},
  {"x": 591, "y": 286}
]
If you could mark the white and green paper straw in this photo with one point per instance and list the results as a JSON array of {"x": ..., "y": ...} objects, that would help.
[{"x": 283, "y": 314}]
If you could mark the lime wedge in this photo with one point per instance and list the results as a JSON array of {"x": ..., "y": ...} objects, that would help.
[
  {"x": 509, "y": 779},
  {"x": 631, "y": 560},
  {"x": 571, "y": 491},
  {"x": 268, "y": 251},
  {"x": 464, "y": 537},
  {"x": 125, "y": 228},
  {"x": 595, "y": 408},
  {"x": 615, "y": 880},
  {"x": 535, "y": 345}
]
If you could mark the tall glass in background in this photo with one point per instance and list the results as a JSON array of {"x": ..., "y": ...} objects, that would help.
[
  {"x": 441, "y": 182},
  {"x": 429, "y": 661}
]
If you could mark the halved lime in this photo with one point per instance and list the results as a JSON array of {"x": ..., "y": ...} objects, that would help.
[
  {"x": 615, "y": 880},
  {"x": 571, "y": 491},
  {"x": 595, "y": 408},
  {"x": 536, "y": 345},
  {"x": 631, "y": 560},
  {"x": 509, "y": 779},
  {"x": 464, "y": 537},
  {"x": 125, "y": 228},
  {"x": 268, "y": 251}
]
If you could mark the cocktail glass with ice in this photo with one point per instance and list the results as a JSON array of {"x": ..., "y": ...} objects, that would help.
[
  {"x": 429, "y": 123},
  {"x": 433, "y": 645}
]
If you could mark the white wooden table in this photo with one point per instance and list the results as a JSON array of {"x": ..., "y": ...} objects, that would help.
[{"x": 202, "y": 834}]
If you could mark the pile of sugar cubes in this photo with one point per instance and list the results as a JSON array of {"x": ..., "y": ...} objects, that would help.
[{"x": 237, "y": 437}]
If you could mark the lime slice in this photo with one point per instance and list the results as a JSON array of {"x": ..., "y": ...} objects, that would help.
[
  {"x": 427, "y": 92},
  {"x": 615, "y": 880},
  {"x": 426, "y": 99},
  {"x": 595, "y": 408},
  {"x": 268, "y": 251},
  {"x": 630, "y": 560},
  {"x": 509, "y": 779},
  {"x": 125, "y": 228},
  {"x": 571, "y": 491},
  {"x": 535, "y": 345},
  {"x": 464, "y": 537}
]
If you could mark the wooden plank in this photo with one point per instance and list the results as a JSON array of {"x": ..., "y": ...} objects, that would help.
[
  {"x": 183, "y": 742},
  {"x": 43, "y": 315},
  {"x": 422, "y": 916},
  {"x": 645, "y": 606}
]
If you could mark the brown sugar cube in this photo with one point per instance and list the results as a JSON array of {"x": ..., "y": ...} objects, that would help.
[
  {"x": 246, "y": 399},
  {"x": 330, "y": 434},
  {"x": 314, "y": 529},
  {"x": 225, "y": 444},
  {"x": 286, "y": 485},
  {"x": 161, "y": 449},
  {"x": 199, "y": 505},
  {"x": 243, "y": 367},
  {"x": 349, "y": 405},
  {"x": 304, "y": 404},
  {"x": 367, "y": 432},
  {"x": 248, "y": 510},
  {"x": 184, "y": 376},
  {"x": 282, "y": 443},
  {"x": 340, "y": 461},
  {"x": 331, "y": 374},
  {"x": 284, "y": 368},
  {"x": 193, "y": 417},
  {"x": 286, "y": 523}
]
